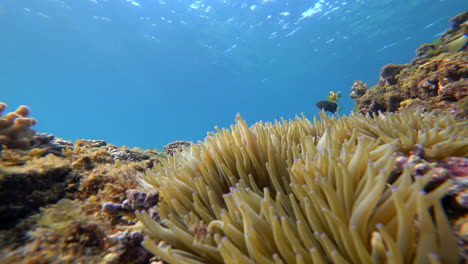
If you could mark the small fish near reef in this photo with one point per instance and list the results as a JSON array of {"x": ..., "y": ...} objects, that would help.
[
  {"x": 460, "y": 42},
  {"x": 334, "y": 96},
  {"x": 331, "y": 105},
  {"x": 327, "y": 106}
]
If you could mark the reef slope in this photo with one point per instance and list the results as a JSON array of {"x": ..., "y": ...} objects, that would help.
[{"x": 436, "y": 79}]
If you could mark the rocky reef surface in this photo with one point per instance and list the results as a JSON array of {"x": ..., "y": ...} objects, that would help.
[
  {"x": 436, "y": 79},
  {"x": 52, "y": 197},
  {"x": 77, "y": 202}
]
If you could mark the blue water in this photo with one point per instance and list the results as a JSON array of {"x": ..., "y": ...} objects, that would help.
[{"x": 148, "y": 72}]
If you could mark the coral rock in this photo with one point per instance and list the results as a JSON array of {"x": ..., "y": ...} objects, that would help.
[
  {"x": 39, "y": 182},
  {"x": 459, "y": 19},
  {"x": 389, "y": 73},
  {"x": 426, "y": 49},
  {"x": 359, "y": 89},
  {"x": 454, "y": 91},
  {"x": 83, "y": 163},
  {"x": 74, "y": 230},
  {"x": 130, "y": 155},
  {"x": 15, "y": 128},
  {"x": 176, "y": 146},
  {"x": 91, "y": 143},
  {"x": 436, "y": 79}
]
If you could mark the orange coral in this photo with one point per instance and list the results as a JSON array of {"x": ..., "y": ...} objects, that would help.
[{"x": 15, "y": 127}]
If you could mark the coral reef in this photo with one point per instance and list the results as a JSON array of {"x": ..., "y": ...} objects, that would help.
[
  {"x": 359, "y": 89},
  {"x": 37, "y": 182},
  {"x": 136, "y": 200},
  {"x": 15, "y": 128},
  {"x": 176, "y": 146},
  {"x": 67, "y": 233},
  {"x": 387, "y": 188},
  {"x": 436, "y": 79},
  {"x": 303, "y": 192},
  {"x": 71, "y": 182},
  {"x": 130, "y": 155}
]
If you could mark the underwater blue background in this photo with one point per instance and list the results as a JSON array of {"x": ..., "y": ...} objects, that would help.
[{"x": 148, "y": 72}]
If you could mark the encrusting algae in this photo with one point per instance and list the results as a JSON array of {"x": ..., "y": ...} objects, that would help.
[{"x": 307, "y": 192}]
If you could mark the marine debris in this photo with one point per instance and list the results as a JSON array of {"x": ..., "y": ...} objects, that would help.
[{"x": 436, "y": 79}]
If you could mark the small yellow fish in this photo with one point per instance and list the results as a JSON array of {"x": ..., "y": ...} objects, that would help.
[{"x": 334, "y": 96}]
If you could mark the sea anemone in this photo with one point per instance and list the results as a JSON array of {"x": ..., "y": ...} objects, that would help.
[{"x": 306, "y": 192}]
